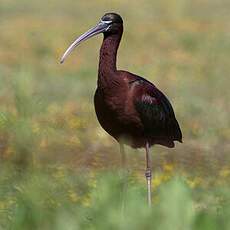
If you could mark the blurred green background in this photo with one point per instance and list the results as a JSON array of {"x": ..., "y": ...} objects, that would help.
[{"x": 59, "y": 169}]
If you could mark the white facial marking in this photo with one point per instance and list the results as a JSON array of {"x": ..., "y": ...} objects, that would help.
[{"x": 107, "y": 22}]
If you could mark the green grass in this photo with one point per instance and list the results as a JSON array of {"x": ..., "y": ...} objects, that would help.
[
  {"x": 52, "y": 150},
  {"x": 60, "y": 198}
]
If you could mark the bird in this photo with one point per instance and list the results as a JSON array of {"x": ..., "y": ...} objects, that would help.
[{"x": 128, "y": 107}]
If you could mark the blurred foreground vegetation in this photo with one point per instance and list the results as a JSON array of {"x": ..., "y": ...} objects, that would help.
[
  {"x": 59, "y": 169},
  {"x": 60, "y": 198}
]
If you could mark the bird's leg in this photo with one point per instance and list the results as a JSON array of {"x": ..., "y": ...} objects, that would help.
[
  {"x": 123, "y": 156},
  {"x": 148, "y": 173},
  {"x": 124, "y": 177}
]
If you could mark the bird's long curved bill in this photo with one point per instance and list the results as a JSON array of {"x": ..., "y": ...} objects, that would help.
[{"x": 99, "y": 28}]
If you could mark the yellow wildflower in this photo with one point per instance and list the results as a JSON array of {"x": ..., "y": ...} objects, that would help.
[
  {"x": 156, "y": 181},
  {"x": 35, "y": 128},
  {"x": 74, "y": 140},
  {"x": 86, "y": 201},
  {"x": 225, "y": 172},
  {"x": 74, "y": 123},
  {"x": 60, "y": 173},
  {"x": 53, "y": 108},
  {"x": 168, "y": 167},
  {"x": 2, "y": 205},
  {"x": 73, "y": 196},
  {"x": 194, "y": 182}
]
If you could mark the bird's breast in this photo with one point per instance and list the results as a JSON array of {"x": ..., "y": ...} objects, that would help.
[{"x": 115, "y": 112}]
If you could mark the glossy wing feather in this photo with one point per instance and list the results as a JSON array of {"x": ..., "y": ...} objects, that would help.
[{"x": 157, "y": 114}]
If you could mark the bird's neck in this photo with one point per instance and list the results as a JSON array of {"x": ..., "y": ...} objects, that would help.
[{"x": 108, "y": 58}]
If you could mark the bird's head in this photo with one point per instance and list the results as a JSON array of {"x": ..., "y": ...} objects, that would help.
[{"x": 110, "y": 23}]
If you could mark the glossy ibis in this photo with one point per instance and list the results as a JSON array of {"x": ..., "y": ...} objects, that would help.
[{"x": 128, "y": 107}]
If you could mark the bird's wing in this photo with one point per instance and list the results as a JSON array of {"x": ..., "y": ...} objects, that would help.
[{"x": 156, "y": 112}]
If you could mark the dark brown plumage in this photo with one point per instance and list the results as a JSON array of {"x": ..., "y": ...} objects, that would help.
[{"x": 128, "y": 107}]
